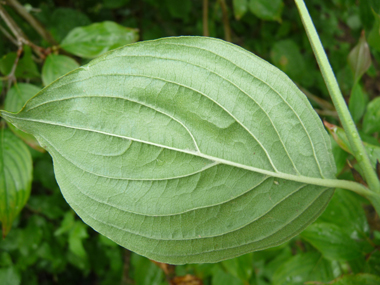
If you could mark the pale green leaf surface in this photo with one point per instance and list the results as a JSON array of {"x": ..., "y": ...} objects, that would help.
[
  {"x": 15, "y": 177},
  {"x": 55, "y": 66},
  {"x": 185, "y": 149},
  {"x": 93, "y": 40}
]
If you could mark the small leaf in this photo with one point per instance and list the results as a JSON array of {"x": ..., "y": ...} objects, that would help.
[
  {"x": 14, "y": 101},
  {"x": 357, "y": 102},
  {"x": 267, "y": 10},
  {"x": 55, "y": 66},
  {"x": 18, "y": 95},
  {"x": 26, "y": 67},
  {"x": 15, "y": 177},
  {"x": 96, "y": 39},
  {"x": 185, "y": 150},
  {"x": 371, "y": 120},
  {"x": 359, "y": 58},
  {"x": 339, "y": 136},
  {"x": 240, "y": 8}
]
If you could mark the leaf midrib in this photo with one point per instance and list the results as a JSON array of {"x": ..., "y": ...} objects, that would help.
[{"x": 331, "y": 183}]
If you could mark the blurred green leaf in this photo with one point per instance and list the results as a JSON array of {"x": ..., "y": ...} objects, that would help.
[
  {"x": 179, "y": 9},
  {"x": 9, "y": 276},
  {"x": 303, "y": 267},
  {"x": 18, "y": 95},
  {"x": 44, "y": 173},
  {"x": 15, "y": 177},
  {"x": 333, "y": 242},
  {"x": 66, "y": 224},
  {"x": 96, "y": 39},
  {"x": 114, "y": 4},
  {"x": 359, "y": 58},
  {"x": 286, "y": 55},
  {"x": 374, "y": 35},
  {"x": 14, "y": 101},
  {"x": 76, "y": 236},
  {"x": 55, "y": 66},
  {"x": 345, "y": 210},
  {"x": 267, "y": 10},
  {"x": 371, "y": 120},
  {"x": 26, "y": 67},
  {"x": 240, "y": 267},
  {"x": 145, "y": 271},
  {"x": 357, "y": 102},
  {"x": 240, "y": 8},
  {"x": 222, "y": 278},
  {"x": 63, "y": 20},
  {"x": 358, "y": 279}
]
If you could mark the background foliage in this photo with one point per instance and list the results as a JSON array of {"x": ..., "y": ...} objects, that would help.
[{"x": 48, "y": 244}]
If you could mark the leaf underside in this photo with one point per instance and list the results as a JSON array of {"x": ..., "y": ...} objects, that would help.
[
  {"x": 185, "y": 150},
  {"x": 15, "y": 178}
]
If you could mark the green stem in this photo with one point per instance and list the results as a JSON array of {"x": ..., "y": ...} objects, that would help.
[{"x": 338, "y": 100}]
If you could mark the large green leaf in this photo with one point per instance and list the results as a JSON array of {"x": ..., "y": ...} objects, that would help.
[
  {"x": 93, "y": 40},
  {"x": 185, "y": 149},
  {"x": 15, "y": 177}
]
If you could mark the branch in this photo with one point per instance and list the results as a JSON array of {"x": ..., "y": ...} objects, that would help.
[
  {"x": 11, "y": 75},
  {"x": 327, "y": 113},
  {"x": 205, "y": 18},
  {"x": 19, "y": 34},
  {"x": 15, "y": 29},
  {"x": 8, "y": 35},
  {"x": 20, "y": 9},
  {"x": 226, "y": 23}
]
